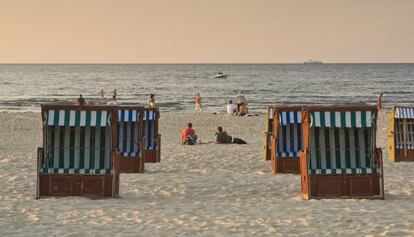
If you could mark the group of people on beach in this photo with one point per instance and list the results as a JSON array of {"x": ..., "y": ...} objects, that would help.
[
  {"x": 81, "y": 99},
  {"x": 189, "y": 137},
  {"x": 240, "y": 108},
  {"x": 150, "y": 101}
]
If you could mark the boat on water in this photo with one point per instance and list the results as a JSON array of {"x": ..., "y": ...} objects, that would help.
[
  {"x": 220, "y": 75},
  {"x": 312, "y": 62}
]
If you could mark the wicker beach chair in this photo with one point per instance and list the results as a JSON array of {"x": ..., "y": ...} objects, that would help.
[
  {"x": 78, "y": 156},
  {"x": 340, "y": 158},
  {"x": 130, "y": 140},
  {"x": 401, "y": 134},
  {"x": 286, "y": 139}
]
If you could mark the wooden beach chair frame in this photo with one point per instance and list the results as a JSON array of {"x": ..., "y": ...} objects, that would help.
[
  {"x": 83, "y": 182},
  {"x": 400, "y": 137},
  {"x": 284, "y": 163},
  {"x": 267, "y": 134},
  {"x": 131, "y": 160},
  {"x": 361, "y": 184}
]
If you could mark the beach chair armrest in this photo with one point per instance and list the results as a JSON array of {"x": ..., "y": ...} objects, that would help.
[{"x": 378, "y": 158}]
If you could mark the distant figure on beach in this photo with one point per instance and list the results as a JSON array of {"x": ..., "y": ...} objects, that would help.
[
  {"x": 188, "y": 136},
  {"x": 81, "y": 100},
  {"x": 114, "y": 94},
  {"x": 199, "y": 107},
  {"x": 243, "y": 110},
  {"x": 379, "y": 102},
  {"x": 222, "y": 137},
  {"x": 102, "y": 94},
  {"x": 240, "y": 99},
  {"x": 231, "y": 108},
  {"x": 151, "y": 101}
]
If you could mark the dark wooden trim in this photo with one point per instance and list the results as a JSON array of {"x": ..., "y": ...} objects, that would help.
[
  {"x": 402, "y": 106},
  {"x": 77, "y": 107},
  {"x": 94, "y": 186},
  {"x": 340, "y": 107},
  {"x": 367, "y": 186},
  {"x": 286, "y": 108},
  {"x": 400, "y": 157}
]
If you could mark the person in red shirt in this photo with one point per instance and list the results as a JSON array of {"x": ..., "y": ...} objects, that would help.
[{"x": 188, "y": 136}]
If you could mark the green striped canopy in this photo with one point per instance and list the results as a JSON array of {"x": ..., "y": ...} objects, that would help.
[
  {"x": 342, "y": 119},
  {"x": 78, "y": 118}
]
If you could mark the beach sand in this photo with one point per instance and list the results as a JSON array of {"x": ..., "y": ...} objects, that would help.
[{"x": 202, "y": 190}]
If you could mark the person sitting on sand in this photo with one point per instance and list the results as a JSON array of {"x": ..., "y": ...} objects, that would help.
[
  {"x": 188, "y": 136},
  {"x": 231, "y": 108},
  {"x": 81, "y": 100},
  {"x": 151, "y": 101},
  {"x": 243, "y": 110},
  {"x": 222, "y": 137}
]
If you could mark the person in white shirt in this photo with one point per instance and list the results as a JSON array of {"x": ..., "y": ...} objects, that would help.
[{"x": 231, "y": 108}]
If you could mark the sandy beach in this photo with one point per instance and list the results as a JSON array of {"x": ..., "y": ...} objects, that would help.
[{"x": 202, "y": 190}]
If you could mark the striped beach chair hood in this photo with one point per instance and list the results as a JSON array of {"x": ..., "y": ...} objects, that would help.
[
  {"x": 404, "y": 113},
  {"x": 150, "y": 117},
  {"x": 404, "y": 128},
  {"x": 289, "y": 137},
  {"x": 77, "y": 142},
  {"x": 129, "y": 132},
  {"x": 80, "y": 118},
  {"x": 341, "y": 142}
]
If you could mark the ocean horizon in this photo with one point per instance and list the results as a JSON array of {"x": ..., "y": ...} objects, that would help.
[{"x": 25, "y": 86}]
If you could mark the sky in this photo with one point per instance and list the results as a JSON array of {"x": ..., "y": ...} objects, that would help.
[{"x": 206, "y": 31}]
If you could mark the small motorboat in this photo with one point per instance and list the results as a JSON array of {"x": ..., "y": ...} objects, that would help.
[{"x": 220, "y": 75}]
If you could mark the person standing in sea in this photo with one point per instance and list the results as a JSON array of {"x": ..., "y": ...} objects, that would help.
[
  {"x": 114, "y": 94},
  {"x": 240, "y": 99},
  {"x": 102, "y": 94},
  {"x": 81, "y": 100},
  {"x": 199, "y": 107},
  {"x": 151, "y": 101}
]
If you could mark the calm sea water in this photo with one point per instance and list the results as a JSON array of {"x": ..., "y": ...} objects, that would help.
[{"x": 25, "y": 87}]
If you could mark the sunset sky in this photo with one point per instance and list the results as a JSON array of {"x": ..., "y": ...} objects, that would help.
[{"x": 206, "y": 31}]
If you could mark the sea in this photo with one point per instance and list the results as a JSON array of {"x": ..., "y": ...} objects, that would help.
[{"x": 24, "y": 87}]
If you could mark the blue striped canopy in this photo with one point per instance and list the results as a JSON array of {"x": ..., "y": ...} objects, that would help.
[
  {"x": 289, "y": 140},
  {"x": 78, "y": 118},
  {"x": 290, "y": 117},
  {"x": 404, "y": 113},
  {"x": 149, "y": 129},
  {"x": 129, "y": 132},
  {"x": 128, "y": 115},
  {"x": 342, "y": 119}
]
